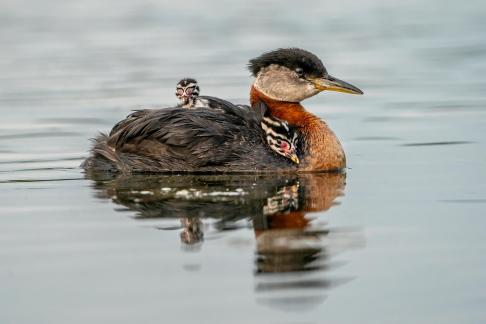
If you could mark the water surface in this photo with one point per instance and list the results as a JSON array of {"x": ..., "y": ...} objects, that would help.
[{"x": 398, "y": 238}]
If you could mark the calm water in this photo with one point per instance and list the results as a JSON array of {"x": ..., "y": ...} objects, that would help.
[{"x": 399, "y": 239}]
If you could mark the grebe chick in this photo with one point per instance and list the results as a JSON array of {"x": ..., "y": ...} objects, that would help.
[{"x": 187, "y": 93}]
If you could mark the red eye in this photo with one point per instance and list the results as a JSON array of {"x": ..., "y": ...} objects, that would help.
[
  {"x": 180, "y": 91},
  {"x": 189, "y": 91},
  {"x": 284, "y": 145}
]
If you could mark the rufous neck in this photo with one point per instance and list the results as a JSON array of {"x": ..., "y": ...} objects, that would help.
[{"x": 292, "y": 112}]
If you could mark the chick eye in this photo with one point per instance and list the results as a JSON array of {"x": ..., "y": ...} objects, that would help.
[
  {"x": 299, "y": 72},
  {"x": 284, "y": 145},
  {"x": 180, "y": 91}
]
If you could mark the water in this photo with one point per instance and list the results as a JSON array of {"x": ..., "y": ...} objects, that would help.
[{"x": 398, "y": 239}]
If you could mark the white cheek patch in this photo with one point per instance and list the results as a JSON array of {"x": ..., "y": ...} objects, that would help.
[{"x": 283, "y": 84}]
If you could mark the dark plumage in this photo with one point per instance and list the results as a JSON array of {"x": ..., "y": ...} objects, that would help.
[
  {"x": 281, "y": 138},
  {"x": 292, "y": 58},
  {"x": 226, "y": 139}
]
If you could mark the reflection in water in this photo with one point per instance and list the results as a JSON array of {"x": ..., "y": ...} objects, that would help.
[{"x": 293, "y": 253}]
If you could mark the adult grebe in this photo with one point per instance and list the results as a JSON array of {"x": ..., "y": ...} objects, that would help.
[{"x": 209, "y": 140}]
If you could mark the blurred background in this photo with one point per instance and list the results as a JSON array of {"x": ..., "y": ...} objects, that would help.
[{"x": 415, "y": 144}]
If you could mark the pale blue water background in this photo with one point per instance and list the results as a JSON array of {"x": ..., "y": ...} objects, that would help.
[{"x": 415, "y": 212}]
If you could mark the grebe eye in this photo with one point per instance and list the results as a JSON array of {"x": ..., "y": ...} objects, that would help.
[
  {"x": 299, "y": 72},
  {"x": 189, "y": 91},
  {"x": 284, "y": 145},
  {"x": 180, "y": 91}
]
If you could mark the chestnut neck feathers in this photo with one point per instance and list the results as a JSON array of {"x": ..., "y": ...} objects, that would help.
[{"x": 321, "y": 148}]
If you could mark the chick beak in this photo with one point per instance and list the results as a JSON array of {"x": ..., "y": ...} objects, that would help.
[
  {"x": 331, "y": 83},
  {"x": 294, "y": 158}
]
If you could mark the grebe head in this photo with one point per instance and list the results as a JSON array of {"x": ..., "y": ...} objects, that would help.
[
  {"x": 187, "y": 91},
  {"x": 280, "y": 138},
  {"x": 293, "y": 74}
]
